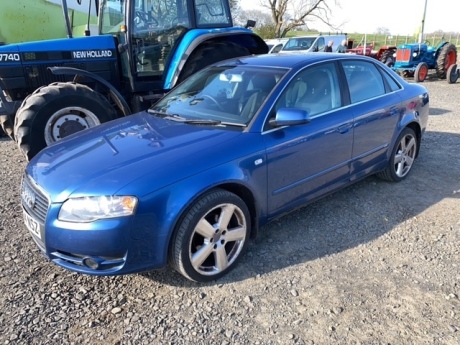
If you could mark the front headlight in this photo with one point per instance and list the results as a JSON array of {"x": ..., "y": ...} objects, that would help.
[{"x": 91, "y": 208}]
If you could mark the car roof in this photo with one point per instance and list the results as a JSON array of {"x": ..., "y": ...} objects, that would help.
[{"x": 290, "y": 60}]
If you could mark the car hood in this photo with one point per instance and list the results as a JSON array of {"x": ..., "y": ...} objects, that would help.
[{"x": 105, "y": 158}]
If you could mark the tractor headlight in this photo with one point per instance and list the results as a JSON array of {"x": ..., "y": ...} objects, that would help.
[
  {"x": 91, "y": 208},
  {"x": 414, "y": 54}
]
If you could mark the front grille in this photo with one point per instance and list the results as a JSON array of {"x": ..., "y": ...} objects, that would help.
[
  {"x": 33, "y": 199},
  {"x": 403, "y": 55},
  {"x": 39, "y": 75}
]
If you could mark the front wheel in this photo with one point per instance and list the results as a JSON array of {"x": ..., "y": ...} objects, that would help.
[
  {"x": 211, "y": 236},
  {"x": 56, "y": 111},
  {"x": 421, "y": 72},
  {"x": 402, "y": 157},
  {"x": 452, "y": 74}
]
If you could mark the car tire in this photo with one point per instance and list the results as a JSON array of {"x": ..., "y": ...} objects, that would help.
[
  {"x": 56, "y": 111},
  {"x": 199, "y": 232},
  {"x": 210, "y": 53},
  {"x": 402, "y": 157}
]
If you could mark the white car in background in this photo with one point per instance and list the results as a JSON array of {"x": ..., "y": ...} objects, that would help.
[{"x": 276, "y": 44}]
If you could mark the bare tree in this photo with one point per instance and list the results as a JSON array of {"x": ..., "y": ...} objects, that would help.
[
  {"x": 261, "y": 18},
  {"x": 291, "y": 14},
  {"x": 383, "y": 31}
]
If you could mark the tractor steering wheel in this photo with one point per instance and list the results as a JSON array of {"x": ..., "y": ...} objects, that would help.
[{"x": 143, "y": 19}]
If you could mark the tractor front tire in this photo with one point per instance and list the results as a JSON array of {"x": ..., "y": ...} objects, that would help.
[
  {"x": 447, "y": 57},
  {"x": 421, "y": 72},
  {"x": 210, "y": 53},
  {"x": 452, "y": 74},
  {"x": 56, "y": 111}
]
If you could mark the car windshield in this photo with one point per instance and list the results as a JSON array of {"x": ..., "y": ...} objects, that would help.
[
  {"x": 300, "y": 43},
  {"x": 225, "y": 95}
]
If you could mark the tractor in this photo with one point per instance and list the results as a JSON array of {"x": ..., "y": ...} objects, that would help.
[
  {"x": 416, "y": 59},
  {"x": 385, "y": 54},
  {"x": 51, "y": 89}
]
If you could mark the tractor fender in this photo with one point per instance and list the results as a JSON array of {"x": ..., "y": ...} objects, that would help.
[
  {"x": 439, "y": 48},
  {"x": 194, "y": 38},
  {"x": 114, "y": 93}
]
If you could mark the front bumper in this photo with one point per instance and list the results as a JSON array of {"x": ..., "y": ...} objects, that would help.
[{"x": 104, "y": 247}]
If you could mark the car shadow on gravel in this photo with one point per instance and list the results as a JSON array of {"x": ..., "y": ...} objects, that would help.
[
  {"x": 353, "y": 216},
  {"x": 439, "y": 111}
]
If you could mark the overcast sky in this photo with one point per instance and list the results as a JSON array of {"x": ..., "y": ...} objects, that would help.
[{"x": 401, "y": 17}]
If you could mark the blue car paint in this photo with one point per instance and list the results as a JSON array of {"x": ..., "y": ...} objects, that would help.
[{"x": 111, "y": 159}]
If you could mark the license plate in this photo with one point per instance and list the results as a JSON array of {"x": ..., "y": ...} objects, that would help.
[{"x": 32, "y": 225}]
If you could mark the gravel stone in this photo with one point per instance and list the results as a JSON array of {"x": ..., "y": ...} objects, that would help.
[{"x": 376, "y": 263}]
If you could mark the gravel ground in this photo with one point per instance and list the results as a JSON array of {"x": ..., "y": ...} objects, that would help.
[{"x": 376, "y": 263}]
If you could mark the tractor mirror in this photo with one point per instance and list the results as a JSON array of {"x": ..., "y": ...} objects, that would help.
[{"x": 250, "y": 24}]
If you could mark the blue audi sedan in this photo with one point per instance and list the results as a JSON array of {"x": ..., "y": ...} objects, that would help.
[{"x": 188, "y": 182}]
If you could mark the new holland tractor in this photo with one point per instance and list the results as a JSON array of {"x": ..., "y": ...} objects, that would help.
[
  {"x": 416, "y": 59},
  {"x": 51, "y": 89}
]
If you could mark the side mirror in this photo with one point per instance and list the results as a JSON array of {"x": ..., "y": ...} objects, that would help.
[{"x": 290, "y": 117}]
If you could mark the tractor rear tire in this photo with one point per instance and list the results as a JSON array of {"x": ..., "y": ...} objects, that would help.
[
  {"x": 56, "y": 111},
  {"x": 210, "y": 53},
  {"x": 421, "y": 72},
  {"x": 6, "y": 126},
  {"x": 452, "y": 74},
  {"x": 446, "y": 58},
  {"x": 387, "y": 57}
]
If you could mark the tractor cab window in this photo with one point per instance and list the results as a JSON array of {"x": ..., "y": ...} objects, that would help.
[
  {"x": 212, "y": 13},
  {"x": 156, "y": 26},
  {"x": 112, "y": 16}
]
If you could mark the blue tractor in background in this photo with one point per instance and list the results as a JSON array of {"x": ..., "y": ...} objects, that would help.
[
  {"x": 51, "y": 89},
  {"x": 416, "y": 59}
]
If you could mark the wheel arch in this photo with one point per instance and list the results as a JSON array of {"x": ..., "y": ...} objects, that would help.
[
  {"x": 418, "y": 132},
  {"x": 234, "y": 187},
  {"x": 113, "y": 92},
  {"x": 195, "y": 39}
]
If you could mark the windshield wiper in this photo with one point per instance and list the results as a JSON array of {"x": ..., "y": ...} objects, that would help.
[
  {"x": 178, "y": 118},
  {"x": 173, "y": 117},
  {"x": 203, "y": 122}
]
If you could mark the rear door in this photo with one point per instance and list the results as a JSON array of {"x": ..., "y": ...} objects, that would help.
[{"x": 377, "y": 109}]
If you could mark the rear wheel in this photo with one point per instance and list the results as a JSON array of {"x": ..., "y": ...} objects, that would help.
[
  {"x": 421, "y": 72},
  {"x": 210, "y": 53},
  {"x": 56, "y": 111},
  {"x": 387, "y": 57},
  {"x": 211, "y": 237},
  {"x": 452, "y": 74},
  {"x": 447, "y": 57},
  {"x": 402, "y": 157}
]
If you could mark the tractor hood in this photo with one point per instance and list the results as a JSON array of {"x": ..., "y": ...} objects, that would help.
[{"x": 106, "y": 158}]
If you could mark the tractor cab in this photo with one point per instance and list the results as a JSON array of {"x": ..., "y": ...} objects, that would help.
[{"x": 154, "y": 36}]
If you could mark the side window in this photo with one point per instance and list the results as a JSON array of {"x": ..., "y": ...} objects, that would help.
[
  {"x": 393, "y": 85},
  {"x": 211, "y": 12},
  {"x": 319, "y": 45},
  {"x": 364, "y": 80},
  {"x": 277, "y": 48},
  {"x": 315, "y": 89}
]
